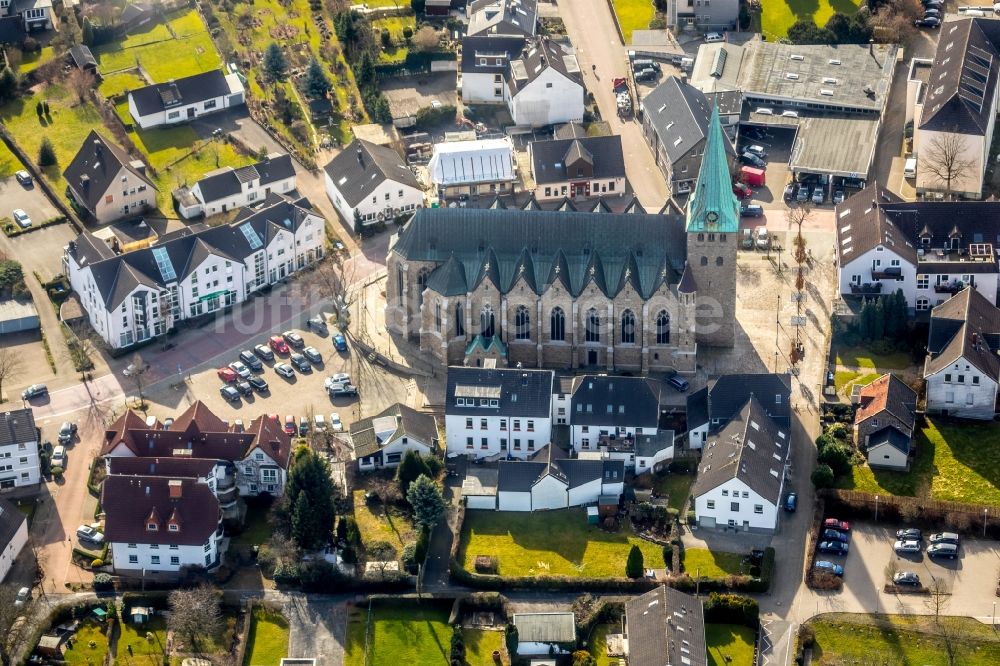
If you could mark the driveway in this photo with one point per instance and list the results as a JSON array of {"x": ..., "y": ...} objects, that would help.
[
  {"x": 317, "y": 628},
  {"x": 29, "y": 199}
]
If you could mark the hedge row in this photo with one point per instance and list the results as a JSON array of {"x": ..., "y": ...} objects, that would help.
[
  {"x": 928, "y": 513},
  {"x": 13, "y": 230}
]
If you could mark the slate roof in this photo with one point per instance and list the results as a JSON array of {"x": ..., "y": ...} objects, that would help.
[
  {"x": 475, "y": 48},
  {"x": 519, "y": 392},
  {"x": 517, "y": 476},
  {"x": 134, "y": 12},
  {"x": 665, "y": 626},
  {"x": 541, "y": 247},
  {"x": 363, "y": 166},
  {"x": 963, "y": 78},
  {"x": 965, "y": 326},
  {"x": 406, "y": 422},
  {"x": 557, "y": 627},
  {"x": 676, "y": 111},
  {"x": 549, "y": 163},
  {"x": 538, "y": 56},
  {"x": 615, "y": 401},
  {"x": 891, "y": 436},
  {"x": 725, "y": 396},
  {"x": 117, "y": 275},
  {"x": 17, "y": 426},
  {"x": 198, "y": 433},
  {"x": 889, "y": 394},
  {"x": 228, "y": 181},
  {"x": 751, "y": 448},
  {"x": 11, "y": 519},
  {"x": 180, "y": 92},
  {"x": 95, "y": 168},
  {"x": 503, "y": 17},
  {"x": 11, "y": 30},
  {"x": 522, "y": 475},
  {"x": 647, "y": 446},
  {"x": 127, "y": 505},
  {"x": 82, "y": 56}
]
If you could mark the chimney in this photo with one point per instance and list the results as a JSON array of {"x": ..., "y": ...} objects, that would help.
[
  {"x": 176, "y": 488},
  {"x": 361, "y": 157}
]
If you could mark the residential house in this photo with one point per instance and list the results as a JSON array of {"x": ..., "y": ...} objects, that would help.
[
  {"x": 134, "y": 296},
  {"x": 11, "y": 28},
  {"x": 578, "y": 167},
  {"x": 135, "y": 15},
  {"x": 382, "y": 440},
  {"x": 182, "y": 100},
  {"x": 437, "y": 7},
  {"x": 544, "y": 86},
  {"x": 368, "y": 183},
  {"x": 503, "y": 18},
  {"x": 218, "y": 475},
  {"x": 32, "y": 14},
  {"x": 927, "y": 249},
  {"x": 884, "y": 420},
  {"x": 710, "y": 409},
  {"x": 498, "y": 411},
  {"x": 228, "y": 188},
  {"x": 13, "y": 535},
  {"x": 550, "y": 482},
  {"x": 742, "y": 472},
  {"x": 473, "y": 167},
  {"x": 664, "y": 626},
  {"x": 675, "y": 119},
  {"x": 255, "y": 456},
  {"x": 107, "y": 183},
  {"x": 156, "y": 524},
  {"x": 962, "y": 368},
  {"x": 485, "y": 61},
  {"x": 703, "y": 15},
  {"x": 955, "y": 109},
  {"x": 19, "y": 463}
]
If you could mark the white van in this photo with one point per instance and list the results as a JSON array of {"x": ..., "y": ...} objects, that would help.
[
  {"x": 910, "y": 167},
  {"x": 58, "y": 458}
]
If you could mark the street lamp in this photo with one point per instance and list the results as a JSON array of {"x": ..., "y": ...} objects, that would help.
[
  {"x": 984, "y": 522},
  {"x": 876, "y": 508}
]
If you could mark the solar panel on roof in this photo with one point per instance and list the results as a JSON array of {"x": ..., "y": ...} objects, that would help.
[
  {"x": 252, "y": 238},
  {"x": 163, "y": 263}
]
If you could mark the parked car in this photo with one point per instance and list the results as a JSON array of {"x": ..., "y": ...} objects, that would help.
[
  {"x": 932, "y": 13},
  {"x": 230, "y": 393},
  {"x": 319, "y": 423},
  {"x": 23, "y": 597},
  {"x": 909, "y": 534},
  {"x": 833, "y": 547},
  {"x": 927, "y": 22},
  {"x": 313, "y": 355},
  {"x": 803, "y": 194},
  {"x": 335, "y": 423},
  {"x": 713, "y": 37},
  {"x": 679, "y": 384},
  {"x": 646, "y": 75},
  {"x": 294, "y": 339},
  {"x": 339, "y": 342},
  {"x": 290, "y": 425},
  {"x": 258, "y": 384},
  {"x": 251, "y": 361},
  {"x": 907, "y": 546},
  {"x": 742, "y": 191},
  {"x": 88, "y": 533},
  {"x": 58, "y": 458},
  {"x": 838, "y": 197},
  {"x": 757, "y": 150},
  {"x": 945, "y": 550},
  {"x": 300, "y": 362},
  {"x": 303, "y": 425},
  {"x": 244, "y": 387},
  {"x": 752, "y": 210},
  {"x": 944, "y": 537},
  {"x": 24, "y": 178},
  {"x": 227, "y": 374},
  {"x": 819, "y": 196},
  {"x": 829, "y": 567},
  {"x": 835, "y": 524},
  {"x": 338, "y": 378},
  {"x": 317, "y": 324},
  {"x": 284, "y": 370},
  {"x": 791, "y": 502},
  {"x": 66, "y": 432},
  {"x": 34, "y": 391},
  {"x": 763, "y": 238},
  {"x": 277, "y": 344},
  {"x": 906, "y": 578},
  {"x": 22, "y": 218},
  {"x": 834, "y": 535},
  {"x": 789, "y": 193},
  {"x": 752, "y": 160},
  {"x": 339, "y": 390},
  {"x": 263, "y": 352},
  {"x": 240, "y": 369}
]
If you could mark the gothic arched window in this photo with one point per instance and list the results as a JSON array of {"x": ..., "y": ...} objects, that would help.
[
  {"x": 459, "y": 320},
  {"x": 663, "y": 328},
  {"x": 593, "y": 326},
  {"x": 487, "y": 321},
  {"x": 628, "y": 327},
  {"x": 558, "y": 325},
  {"x": 522, "y": 323}
]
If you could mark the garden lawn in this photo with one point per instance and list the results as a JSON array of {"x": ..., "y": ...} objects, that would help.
[
  {"x": 402, "y": 632},
  {"x": 30, "y": 61},
  {"x": 633, "y": 15},
  {"x": 598, "y": 644},
  {"x": 8, "y": 162},
  {"x": 964, "y": 470},
  {"x": 778, "y": 15},
  {"x": 268, "y": 640},
  {"x": 81, "y": 652},
  {"x": 256, "y": 529},
  {"x": 375, "y": 524},
  {"x": 479, "y": 647},
  {"x": 117, "y": 84},
  {"x": 844, "y": 638},
  {"x": 710, "y": 563},
  {"x": 860, "y": 357},
  {"x": 676, "y": 487},
  {"x": 729, "y": 644},
  {"x": 557, "y": 543},
  {"x": 135, "y": 635},
  {"x": 394, "y": 25},
  {"x": 888, "y": 482},
  {"x": 844, "y": 379}
]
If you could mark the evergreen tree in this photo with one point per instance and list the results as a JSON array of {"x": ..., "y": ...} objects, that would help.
[
  {"x": 275, "y": 63},
  {"x": 418, "y": 6},
  {"x": 39, "y": 110},
  {"x": 8, "y": 84},
  {"x": 87, "y": 36},
  {"x": 822, "y": 476},
  {"x": 359, "y": 226},
  {"x": 365, "y": 73},
  {"x": 303, "y": 523},
  {"x": 381, "y": 113},
  {"x": 47, "y": 154},
  {"x": 634, "y": 565},
  {"x": 317, "y": 84},
  {"x": 878, "y": 320},
  {"x": 428, "y": 504},
  {"x": 309, "y": 477},
  {"x": 804, "y": 31},
  {"x": 409, "y": 469}
]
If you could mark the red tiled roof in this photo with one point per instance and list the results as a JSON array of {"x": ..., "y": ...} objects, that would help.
[
  {"x": 887, "y": 393},
  {"x": 129, "y": 502}
]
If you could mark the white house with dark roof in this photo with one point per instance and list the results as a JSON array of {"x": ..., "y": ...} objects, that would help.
[
  {"x": 581, "y": 167},
  {"x": 368, "y": 183},
  {"x": 498, "y": 411},
  {"x": 742, "y": 472},
  {"x": 664, "y": 626},
  {"x": 485, "y": 61},
  {"x": 227, "y": 188},
  {"x": 33, "y": 14},
  {"x": 182, "y": 100},
  {"x": 485, "y": 166},
  {"x": 19, "y": 463},
  {"x": 382, "y": 440},
  {"x": 712, "y": 408},
  {"x": 132, "y": 297},
  {"x": 106, "y": 182},
  {"x": 13, "y": 535},
  {"x": 558, "y": 483},
  {"x": 544, "y": 86},
  {"x": 962, "y": 368}
]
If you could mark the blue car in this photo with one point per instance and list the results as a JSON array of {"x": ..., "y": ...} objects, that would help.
[
  {"x": 829, "y": 567},
  {"x": 340, "y": 342},
  {"x": 833, "y": 535},
  {"x": 791, "y": 502}
]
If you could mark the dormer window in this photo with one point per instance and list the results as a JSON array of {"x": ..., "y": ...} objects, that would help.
[
  {"x": 152, "y": 527},
  {"x": 173, "y": 527}
]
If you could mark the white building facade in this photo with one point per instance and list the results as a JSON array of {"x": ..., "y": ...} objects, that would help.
[
  {"x": 19, "y": 463},
  {"x": 734, "y": 504}
]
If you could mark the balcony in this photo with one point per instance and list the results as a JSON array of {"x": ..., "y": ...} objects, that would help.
[
  {"x": 890, "y": 273},
  {"x": 867, "y": 289},
  {"x": 951, "y": 287}
]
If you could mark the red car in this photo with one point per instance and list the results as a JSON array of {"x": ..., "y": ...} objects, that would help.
[
  {"x": 278, "y": 344},
  {"x": 227, "y": 375},
  {"x": 742, "y": 191},
  {"x": 290, "y": 427},
  {"x": 834, "y": 524}
]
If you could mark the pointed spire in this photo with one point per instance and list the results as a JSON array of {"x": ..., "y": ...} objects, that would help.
[{"x": 712, "y": 205}]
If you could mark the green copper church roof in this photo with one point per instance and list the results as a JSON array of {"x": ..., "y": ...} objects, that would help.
[{"x": 712, "y": 205}]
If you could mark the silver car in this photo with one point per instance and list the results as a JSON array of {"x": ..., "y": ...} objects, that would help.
[{"x": 909, "y": 546}]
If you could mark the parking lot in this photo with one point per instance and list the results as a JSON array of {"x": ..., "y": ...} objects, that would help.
[{"x": 29, "y": 199}]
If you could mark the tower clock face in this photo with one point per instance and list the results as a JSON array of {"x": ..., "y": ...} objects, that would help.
[{"x": 712, "y": 217}]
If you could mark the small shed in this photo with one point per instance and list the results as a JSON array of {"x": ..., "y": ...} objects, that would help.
[
  {"x": 17, "y": 316},
  {"x": 140, "y": 614},
  {"x": 49, "y": 646},
  {"x": 544, "y": 633},
  {"x": 100, "y": 614},
  {"x": 83, "y": 58},
  {"x": 592, "y": 516},
  {"x": 607, "y": 505}
]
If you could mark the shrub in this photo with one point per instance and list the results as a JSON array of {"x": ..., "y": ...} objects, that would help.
[
  {"x": 46, "y": 154},
  {"x": 807, "y": 636},
  {"x": 423, "y": 543},
  {"x": 837, "y": 457},
  {"x": 457, "y": 645},
  {"x": 409, "y": 559},
  {"x": 839, "y": 431},
  {"x": 407, "y": 33},
  {"x": 634, "y": 564},
  {"x": 822, "y": 476},
  {"x": 97, "y": 563},
  {"x": 732, "y": 609},
  {"x": 31, "y": 45}
]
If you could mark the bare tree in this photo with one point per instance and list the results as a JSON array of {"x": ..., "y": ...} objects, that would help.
[
  {"x": 938, "y": 598},
  {"x": 81, "y": 82},
  {"x": 195, "y": 613},
  {"x": 11, "y": 631},
  {"x": 82, "y": 344},
  {"x": 11, "y": 365},
  {"x": 136, "y": 371},
  {"x": 425, "y": 39},
  {"x": 796, "y": 217},
  {"x": 332, "y": 279},
  {"x": 944, "y": 159}
]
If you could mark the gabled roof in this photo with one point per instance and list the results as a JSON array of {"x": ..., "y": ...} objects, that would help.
[
  {"x": 966, "y": 326},
  {"x": 679, "y": 114},
  {"x": 503, "y": 17},
  {"x": 549, "y": 163},
  {"x": 11, "y": 30},
  {"x": 751, "y": 448},
  {"x": 615, "y": 401},
  {"x": 129, "y": 501},
  {"x": 135, "y": 11},
  {"x": 725, "y": 396},
  {"x": 539, "y": 56},
  {"x": 490, "y": 55},
  {"x": 519, "y": 476},
  {"x": 180, "y": 92},
  {"x": 17, "y": 427},
  {"x": 362, "y": 166},
  {"x": 465, "y": 162},
  {"x": 11, "y": 519},
  {"x": 517, "y": 392},
  {"x": 889, "y": 394},
  {"x": 374, "y": 433},
  {"x": 227, "y": 182},
  {"x": 890, "y": 436},
  {"x": 557, "y": 627},
  {"x": 176, "y": 468},
  {"x": 95, "y": 168},
  {"x": 862, "y": 224},
  {"x": 82, "y": 56},
  {"x": 665, "y": 626}
]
